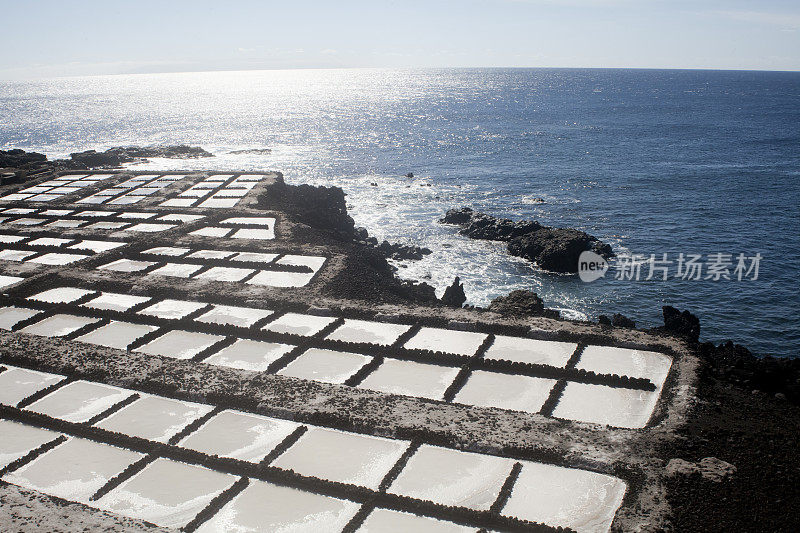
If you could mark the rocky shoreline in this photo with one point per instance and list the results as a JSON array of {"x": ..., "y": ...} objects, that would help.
[{"x": 22, "y": 163}]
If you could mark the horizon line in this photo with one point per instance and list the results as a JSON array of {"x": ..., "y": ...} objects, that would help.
[{"x": 284, "y": 69}]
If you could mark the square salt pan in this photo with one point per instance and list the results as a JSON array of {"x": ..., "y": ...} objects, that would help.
[
  {"x": 167, "y": 250},
  {"x": 388, "y": 521},
  {"x": 445, "y": 340},
  {"x": 344, "y": 457},
  {"x": 11, "y": 238},
  {"x": 49, "y": 241},
  {"x": 299, "y": 324},
  {"x": 93, "y": 199},
  {"x": 16, "y": 384},
  {"x": 57, "y": 259},
  {"x": 136, "y": 216},
  {"x": 612, "y": 406},
  {"x": 113, "y": 301},
  {"x": 73, "y": 470},
  {"x": 154, "y": 418},
  {"x": 250, "y": 355},
  {"x": 369, "y": 332},
  {"x": 239, "y": 435},
  {"x": 243, "y": 317},
  {"x": 250, "y": 221},
  {"x": 172, "y": 309},
  {"x": 211, "y": 231},
  {"x": 452, "y": 477},
  {"x": 150, "y": 227},
  {"x": 116, "y": 334},
  {"x": 180, "y": 344},
  {"x": 16, "y": 196},
  {"x": 411, "y": 379},
  {"x": 96, "y": 213},
  {"x": 19, "y": 440},
  {"x": 258, "y": 234},
  {"x": 267, "y": 507},
  {"x": 127, "y": 265},
  {"x": 11, "y": 316},
  {"x": 15, "y": 255},
  {"x": 179, "y": 202},
  {"x": 220, "y": 202},
  {"x": 281, "y": 279},
  {"x": 227, "y": 192},
  {"x": 126, "y": 200},
  {"x": 7, "y": 281},
  {"x": 313, "y": 262},
  {"x": 581, "y": 500},
  {"x": 108, "y": 225},
  {"x": 254, "y": 257},
  {"x": 166, "y": 493},
  {"x": 205, "y": 185},
  {"x": 58, "y": 325},
  {"x": 211, "y": 254},
  {"x": 505, "y": 391},
  {"x": 225, "y": 274},
  {"x": 328, "y": 366},
  {"x": 195, "y": 193},
  {"x": 79, "y": 401},
  {"x": 177, "y": 270},
  {"x": 97, "y": 246},
  {"x": 28, "y": 221},
  {"x": 60, "y": 295},
  {"x": 35, "y": 190},
  {"x": 180, "y": 217},
  {"x": 626, "y": 362}
]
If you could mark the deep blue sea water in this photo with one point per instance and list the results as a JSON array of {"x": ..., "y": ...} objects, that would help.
[{"x": 652, "y": 161}]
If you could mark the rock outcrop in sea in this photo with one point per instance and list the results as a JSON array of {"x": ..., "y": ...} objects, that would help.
[
  {"x": 31, "y": 162},
  {"x": 553, "y": 249},
  {"x": 521, "y": 303},
  {"x": 454, "y": 295}
]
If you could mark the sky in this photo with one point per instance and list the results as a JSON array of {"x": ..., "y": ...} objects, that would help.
[{"x": 59, "y": 38}]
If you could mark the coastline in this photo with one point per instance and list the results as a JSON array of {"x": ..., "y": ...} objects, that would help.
[{"x": 695, "y": 422}]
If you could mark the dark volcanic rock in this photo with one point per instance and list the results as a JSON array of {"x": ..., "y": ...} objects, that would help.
[
  {"x": 19, "y": 158},
  {"x": 489, "y": 228},
  {"x": 113, "y": 157},
  {"x": 454, "y": 294},
  {"x": 621, "y": 321},
  {"x": 603, "y": 320},
  {"x": 403, "y": 251},
  {"x": 180, "y": 151},
  {"x": 557, "y": 249},
  {"x": 736, "y": 364},
  {"x": 684, "y": 324},
  {"x": 554, "y": 249},
  {"x": 320, "y": 207},
  {"x": 119, "y": 155},
  {"x": 457, "y": 216},
  {"x": 369, "y": 277},
  {"x": 521, "y": 303},
  {"x": 252, "y": 151},
  {"x": 92, "y": 159}
]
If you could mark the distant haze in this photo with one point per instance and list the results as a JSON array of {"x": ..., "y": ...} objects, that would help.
[{"x": 56, "y": 38}]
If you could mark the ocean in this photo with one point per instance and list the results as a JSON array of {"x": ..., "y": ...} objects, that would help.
[{"x": 651, "y": 161}]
